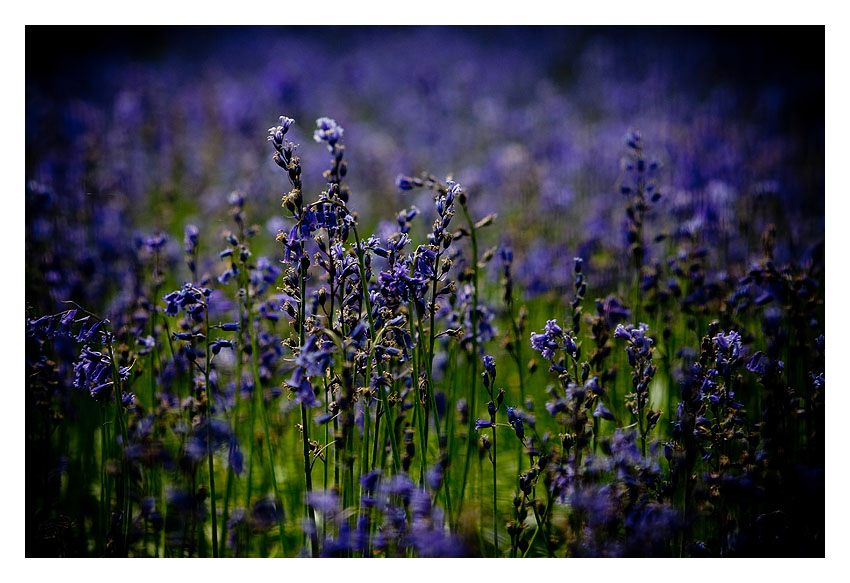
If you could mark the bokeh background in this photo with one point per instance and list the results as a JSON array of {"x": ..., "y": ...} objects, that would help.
[{"x": 133, "y": 131}]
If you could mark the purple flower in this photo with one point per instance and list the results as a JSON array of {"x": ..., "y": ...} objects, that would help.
[
  {"x": 369, "y": 481},
  {"x": 276, "y": 133},
  {"x": 218, "y": 344},
  {"x": 602, "y": 411},
  {"x": 516, "y": 422},
  {"x": 315, "y": 356},
  {"x": 728, "y": 342},
  {"x": 326, "y": 502},
  {"x": 235, "y": 457},
  {"x": 552, "y": 339},
  {"x": 303, "y": 389},
  {"x": 407, "y": 183},
  {"x": 482, "y": 424},
  {"x": 266, "y": 513},
  {"x": 622, "y": 333},
  {"x": 327, "y": 130},
  {"x": 764, "y": 366},
  {"x": 93, "y": 371}
]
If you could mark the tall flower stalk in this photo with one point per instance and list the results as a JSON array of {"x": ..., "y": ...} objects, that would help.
[{"x": 299, "y": 261}]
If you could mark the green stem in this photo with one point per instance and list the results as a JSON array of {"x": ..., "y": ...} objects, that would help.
[
  {"x": 208, "y": 401},
  {"x": 495, "y": 515},
  {"x": 364, "y": 284},
  {"x": 473, "y": 385},
  {"x": 103, "y": 502},
  {"x": 125, "y": 466},
  {"x": 417, "y": 400},
  {"x": 236, "y": 399},
  {"x": 520, "y": 371},
  {"x": 305, "y": 428}
]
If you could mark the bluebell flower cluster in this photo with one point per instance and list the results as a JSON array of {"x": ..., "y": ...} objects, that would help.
[
  {"x": 552, "y": 340},
  {"x": 639, "y": 350},
  {"x": 189, "y": 299},
  {"x": 96, "y": 373}
]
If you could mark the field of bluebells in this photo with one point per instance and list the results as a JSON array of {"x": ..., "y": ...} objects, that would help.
[{"x": 497, "y": 292}]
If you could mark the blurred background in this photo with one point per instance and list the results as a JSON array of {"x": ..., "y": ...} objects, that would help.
[{"x": 132, "y": 131}]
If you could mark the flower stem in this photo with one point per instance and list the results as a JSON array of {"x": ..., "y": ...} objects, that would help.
[
  {"x": 305, "y": 429},
  {"x": 208, "y": 401},
  {"x": 372, "y": 334},
  {"x": 474, "y": 383},
  {"x": 237, "y": 397},
  {"x": 495, "y": 516}
]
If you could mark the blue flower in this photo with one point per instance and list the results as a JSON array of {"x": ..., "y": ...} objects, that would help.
[
  {"x": 235, "y": 457},
  {"x": 516, "y": 422},
  {"x": 482, "y": 424},
  {"x": 369, "y": 481},
  {"x": 218, "y": 344},
  {"x": 602, "y": 411},
  {"x": 327, "y": 130},
  {"x": 190, "y": 239},
  {"x": 276, "y": 133},
  {"x": 265, "y": 514},
  {"x": 303, "y": 389},
  {"x": 764, "y": 366},
  {"x": 407, "y": 183},
  {"x": 315, "y": 357},
  {"x": 326, "y": 502},
  {"x": 552, "y": 339}
]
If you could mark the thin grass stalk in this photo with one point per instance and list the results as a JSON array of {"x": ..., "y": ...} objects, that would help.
[
  {"x": 474, "y": 383},
  {"x": 104, "y": 510},
  {"x": 255, "y": 365},
  {"x": 372, "y": 334},
  {"x": 208, "y": 401},
  {"x": 236, "y": 399},
  {"x": 305, "y": 430},
  {"x": 417, "y": 402},
  {"x": 495, "y": 512},
  {"x": 125, "y": 466}
]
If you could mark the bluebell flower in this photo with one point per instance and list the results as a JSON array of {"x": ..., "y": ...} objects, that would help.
[
  {"x": 326, "y": 502},
  {"x": 516, "y": 422},
  {"x": 235, "y": 457},
  {"x": 315, "y": 356},
  {"x": 482, "y": 424},
  {"x": 303, "y": 389},
  {"x": 593, "y": 386},
  {"x": 764, "y": 366},
  {"x": 552, "y": 339},
  {"x": 729, "y": 344},
  {"x": 277, "y": 133},
  {"x": 633, "y": 139},
  {"x": 602, "y": 411},
  {"x": 266, "y": 513},
  {"x": 219, "y": 343},
  {"x": 490, "y": 366},
  {"x": 155, "y": 242},
  {"x": 407, "y": 182},
  {"x": 369, "y": 481},
  {"x": 434, "y": 475},
  {"x": 93, "y": 371},
  {"x": 219, "y": 437},
  {"x": 327, "y": 130}
]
